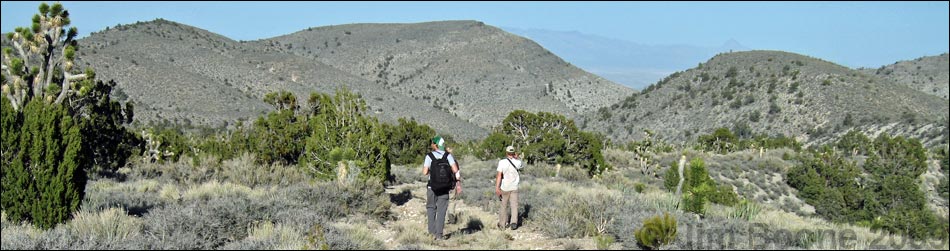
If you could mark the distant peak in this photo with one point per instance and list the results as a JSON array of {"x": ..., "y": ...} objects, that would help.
[{"x": 732, "y": 44}]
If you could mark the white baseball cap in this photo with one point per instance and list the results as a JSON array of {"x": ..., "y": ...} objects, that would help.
[{"x": 510, "y": 149}]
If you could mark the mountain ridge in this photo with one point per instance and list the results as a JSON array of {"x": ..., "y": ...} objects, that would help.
[
  {"x": 208, "y": 79},
  {"x": 774, "y": 93}
]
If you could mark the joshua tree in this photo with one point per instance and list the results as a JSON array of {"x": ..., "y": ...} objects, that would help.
[{"x": 41, "y": 62}]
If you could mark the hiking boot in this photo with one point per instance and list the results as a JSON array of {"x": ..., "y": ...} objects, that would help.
[{"x": 513, "y": 226}]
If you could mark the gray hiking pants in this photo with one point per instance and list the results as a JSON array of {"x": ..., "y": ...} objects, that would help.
[{"x": 436, "y": 206}]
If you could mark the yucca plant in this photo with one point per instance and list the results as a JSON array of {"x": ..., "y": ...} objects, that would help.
[
  {"x": 656, "y": 232},
  {"x": 668, "y": 203},
  {"x": 746, "y": 210}
]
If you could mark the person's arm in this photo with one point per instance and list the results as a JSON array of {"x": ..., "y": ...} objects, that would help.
[
  {"x": 425, "y": 166},
  {"x": 458, "y": 179},
  {"x": 498, "y": 184}
]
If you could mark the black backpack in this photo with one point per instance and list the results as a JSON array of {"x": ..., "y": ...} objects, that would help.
[{"x": 441, "y": 177}]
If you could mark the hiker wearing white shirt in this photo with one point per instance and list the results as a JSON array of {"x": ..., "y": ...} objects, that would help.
[{"x": 506, "y": 187}]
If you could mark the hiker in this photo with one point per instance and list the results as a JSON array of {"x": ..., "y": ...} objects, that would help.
[
  {"x": 506, "y": 187},
  {"x": 444, "y": 177}
]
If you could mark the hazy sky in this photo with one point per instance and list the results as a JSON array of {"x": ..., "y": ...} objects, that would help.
[{"x": 854, "y": 34}]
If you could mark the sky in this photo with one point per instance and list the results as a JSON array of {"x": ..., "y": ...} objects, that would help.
[{"x": 853, "y": 34}]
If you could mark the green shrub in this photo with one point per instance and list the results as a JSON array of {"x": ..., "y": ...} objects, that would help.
[
  {"x": 639, "y": 187},
  {"x": 724, "y": 195},
  {"x": 656, "y": 232},
  {"x": 724, "y": 141},
  {"x": 46, "y": 180},
  {"x": 695, "y": 201},
  {"x": 671, "y": 178},
  {"x": 698, "y": 177},
  {"x": 883, "y": 195},
  {"x": 944, "y": 188},
  {"x": 721, "y": 141}
]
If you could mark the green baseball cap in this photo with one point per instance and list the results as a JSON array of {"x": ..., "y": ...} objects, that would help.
[{"x": 439, "y": 142}]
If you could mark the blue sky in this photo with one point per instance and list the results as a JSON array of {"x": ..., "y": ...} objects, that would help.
[{"x": 854, "y": 34}]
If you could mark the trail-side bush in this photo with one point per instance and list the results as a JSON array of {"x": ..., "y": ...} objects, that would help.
[
  {"x": 657, "y": 232},
  {"x": 580, "y": 214}
]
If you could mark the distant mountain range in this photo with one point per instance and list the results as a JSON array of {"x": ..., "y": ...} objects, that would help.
[
  {"x": 629, "y": 63},
  {"x": 464, "y": 77},
  {"x": 461, "y": 77}
]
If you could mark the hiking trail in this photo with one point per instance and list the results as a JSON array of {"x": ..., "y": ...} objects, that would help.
[{"x": 474, "y": 229}]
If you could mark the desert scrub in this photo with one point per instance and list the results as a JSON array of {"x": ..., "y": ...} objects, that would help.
[
  {"x": 135, "y": 197},
  {"x": 580, "y": 213},
  {"x": 604, "y": 241},
  {"x": 269, "y": 236},
  {"x": 657, "y": 232}
]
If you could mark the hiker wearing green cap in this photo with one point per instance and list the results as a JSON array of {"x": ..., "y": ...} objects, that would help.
[{"x": 444, "y": 177}]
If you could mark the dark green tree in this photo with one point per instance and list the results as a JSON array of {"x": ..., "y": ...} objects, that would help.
[
  {"x": 47, "y": 178},
  {"x": 493, "y": 146},
  {"x": 884, "y": 194},
  {"x": 408, "y": 141},
  {"x": 282, "y": 100},
  {"x": 107, "y": 142},
  {"x": 337, "y": 125},
  {"x": 10, "y": 121},
  {"x": 854, "y": 143},
  {"x": 553, "y": 139},
  {"x": 721, "y": 141},
  {"x": 896, "y": 156},
  {"x": 279, "y": 137}
]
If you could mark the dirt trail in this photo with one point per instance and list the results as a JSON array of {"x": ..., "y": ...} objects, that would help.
[{"x": 475, "y": 228}]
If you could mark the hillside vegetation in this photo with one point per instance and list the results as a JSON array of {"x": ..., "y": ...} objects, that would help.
[
  {"x": 925, "y": 74},
  {"x": 773, "y": 93}
]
